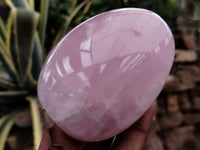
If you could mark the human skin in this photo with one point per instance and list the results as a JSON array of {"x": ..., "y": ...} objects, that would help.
[{"x": 131, "y": 139}]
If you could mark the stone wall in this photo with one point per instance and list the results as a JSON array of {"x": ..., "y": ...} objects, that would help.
[{"x": 176, "y": 125}]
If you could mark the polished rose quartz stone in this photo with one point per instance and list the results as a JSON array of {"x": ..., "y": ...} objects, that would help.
[{"x": 104, "y": 74}]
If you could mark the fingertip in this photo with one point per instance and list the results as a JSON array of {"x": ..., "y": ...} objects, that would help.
[
  {"x": 48, "y": 121},
  {"x": 134, "y": 137},
  {"x": 46, "y": 140}
]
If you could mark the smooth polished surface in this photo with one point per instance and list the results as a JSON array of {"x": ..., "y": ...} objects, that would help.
[{"x": 104, "y": 74}]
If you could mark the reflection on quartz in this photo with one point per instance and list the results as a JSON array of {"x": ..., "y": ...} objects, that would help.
[
  {"x": 67, "y": 65},
  {"x": 53, "y": 81},
  {"x": 86, "y": 59},
  {"x": 102, "y": 68},
  {"x": 90, "y": 28},
  {"x": 82, "y": 76},
  {"x": 131, "y": 63},
  {"x": 124, "y": 61},
  {"x": 58, "y": 69},
  {"x": 117, "y": 45},
  {"x": 86, "y": 45},
  {"x": 140, "y": 60},
  {"x": 52, "y": 54},
  {"x": 46, "y": 74}
]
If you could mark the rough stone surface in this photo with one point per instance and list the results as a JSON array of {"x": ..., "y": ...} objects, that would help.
[
  {"x": 153, "y": 142},
  {"x": 24, "y": 119},
  {"x": 174, "y": 140},
  {"x": 172, "y": 103},
  {"x": 106, "y": 72},
  {"x": 189, "y": 40},
  {"x": 191, "y": 143},
  {"x": 186, "y": 78},
  {"x": 185, "y": 56},
  {"x": 171, "y": 120},
  {"x": 184, "y": 102},
  {"x": 192, "y": 118},
  {"x": 196, "y": 103}
]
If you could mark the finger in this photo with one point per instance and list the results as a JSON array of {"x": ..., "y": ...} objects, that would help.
[
  {"x": 134, "y": 137},
  {"x": 46, "y": 140},
  {"x": 54, "y": 138},
  {"x": 61, "y": 141}
]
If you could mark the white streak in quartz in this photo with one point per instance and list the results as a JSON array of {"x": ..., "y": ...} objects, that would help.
[
  {"x": 86, "y": 59},
  {"x": 139, "y": 61},
  {"x": 84, "y": 78},
  {"x": 124, "y": 61},
  {"x": 46, "y": 74},
  {"x": 133, "y": 61},
  {"x": 53, "y": 81},
  {"x": 86, "y": 45},
  {"x": 102, "y": 68},
  {"x": 157, "y": 49},
  {"x": 50, "y": 57},
  {"x": 58, "y": 70},
  {"x": 67, "y": 65},
  {"x": 90, "y": 28}
]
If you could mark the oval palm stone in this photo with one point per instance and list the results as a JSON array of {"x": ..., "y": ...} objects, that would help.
[{"x": 105, "y": 73}]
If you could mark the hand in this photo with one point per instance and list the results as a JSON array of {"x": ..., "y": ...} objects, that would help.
[{"x": 131, "y": 139}]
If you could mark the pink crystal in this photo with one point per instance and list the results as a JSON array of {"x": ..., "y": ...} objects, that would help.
[{"x": 104, "y": 74}]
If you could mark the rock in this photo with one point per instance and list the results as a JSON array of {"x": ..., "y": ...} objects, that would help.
[
  {"x": 191, "y": 143},
  {"x": 24, "y": 138},
  {"x": 183, "y": 56},
  {"x": 171, "y": 83},
  {"x": 171, "y": 120},
  {"x": 190, "y": 75},
  {"x": 161, "y": 106},
  {"x": 12, "y": 141},
  {"x": 196, "y": 103},
  {"x": 175, "y": 84},
  {"x": 153, "y": 142},
  {"x": 189, "y": 40},
  {"x": 174, "y": 139},
  {"x": 24, "y": 119},
  {"x": 197, "y": 130},
  {"x": 172, "y": 103},
  {"x": 184, "y": 103},
  {"x": 195, "y": 92},
  {"x": 185, "y": 79},
  {"x": 191, "y": 118},
  {"x": 106, "y": 73}
]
